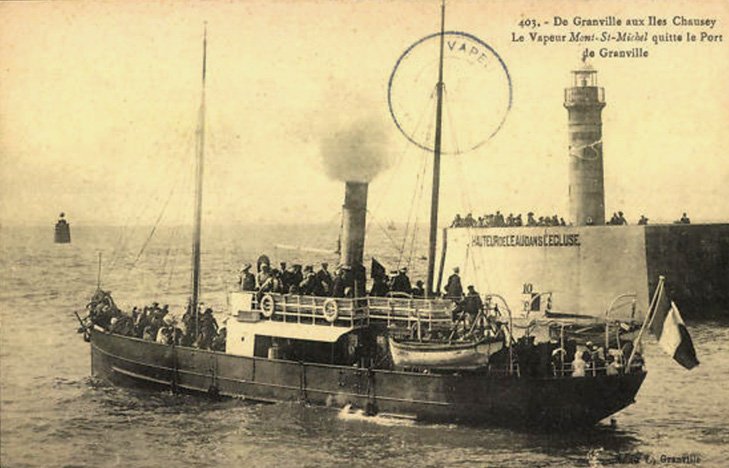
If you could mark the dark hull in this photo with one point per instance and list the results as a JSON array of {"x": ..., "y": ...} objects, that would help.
[{"x": 471, "y": 398}]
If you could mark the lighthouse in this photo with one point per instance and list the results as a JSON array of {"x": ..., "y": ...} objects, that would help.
[{"x": 584, "y": 101}]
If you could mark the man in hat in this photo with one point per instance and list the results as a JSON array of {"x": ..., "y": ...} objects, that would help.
[
  {"x": 338, "y": 282},
  {"x": 401, "y": 282},
  {"x": 472, "y": 304},
  {"x": 310, "y": 286},
  {"x": 453, "y": 288},
  {"x": 297, "y": 277},
  {"x": 530, "y": 219},
  {"x": 246, "y": 280},
  {"x": 208, "y": 329},
  {"x": 324, "y": 278},
  {"x": 287, "y": 278},
  {"x": 419, "y": 289}
]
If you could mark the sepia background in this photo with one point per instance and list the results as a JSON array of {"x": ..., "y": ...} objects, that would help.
[{"x": 99, "y": 106}]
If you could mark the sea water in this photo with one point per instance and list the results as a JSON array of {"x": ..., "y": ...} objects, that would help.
[{"x": 53, "y": 414}]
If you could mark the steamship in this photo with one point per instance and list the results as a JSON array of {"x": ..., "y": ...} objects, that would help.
[{"x": 336, "y": 352}]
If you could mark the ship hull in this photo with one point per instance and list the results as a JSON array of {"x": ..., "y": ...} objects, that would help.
[{"x": 459, "y": 397}]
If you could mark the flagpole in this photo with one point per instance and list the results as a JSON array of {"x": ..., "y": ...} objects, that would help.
[{"x": 647, "y": 321}]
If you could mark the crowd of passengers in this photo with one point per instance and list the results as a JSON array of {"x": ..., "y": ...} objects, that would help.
[
  {"x": 546, "y": 359},
  {"x": 153, "y": 323},
  {"x": 342, "y": 283}
]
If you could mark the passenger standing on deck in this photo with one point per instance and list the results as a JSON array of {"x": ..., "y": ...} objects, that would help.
[
  {"x": 297, "y": 276},
  {"x": 247, "y": 280},
  {"x": 324, "y": 278},
  {"x": 453, "y": 289},
  {"x": 208, "y": 329},
  {"x": 419, "y": 289},
  {"x": 310, "y": 286},
  {"x": 264, "y": 276},
  {"x": 401, "y": 282},
  {"x": 380, "y": 288},
  {"x": 472, "y": 304},
  {"x": 287, "y": 279},
  {"x": 276, "y": 284},
  {"x": 338, "y": 283},
  {"x": 579, "y": 365}
]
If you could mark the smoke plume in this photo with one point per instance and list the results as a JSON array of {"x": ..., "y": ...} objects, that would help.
[{"x": 357, "y": 152}]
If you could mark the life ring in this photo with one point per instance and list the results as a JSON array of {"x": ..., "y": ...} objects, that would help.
[
  {"x": 268, "y": 305},
  {"x": 331, "y": 310}
]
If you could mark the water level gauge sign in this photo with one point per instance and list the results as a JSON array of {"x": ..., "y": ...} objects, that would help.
[{"x": 477, "y": 92}]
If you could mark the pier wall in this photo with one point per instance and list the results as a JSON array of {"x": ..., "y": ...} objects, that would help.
[
  {"x": 585, "y": 267},
  {"x": 694, "y": 258}
]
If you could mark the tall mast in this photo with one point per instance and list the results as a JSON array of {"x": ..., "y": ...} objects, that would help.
[
  {"x": 432, "y": 238},
  {"x": 198, "y": 189}
]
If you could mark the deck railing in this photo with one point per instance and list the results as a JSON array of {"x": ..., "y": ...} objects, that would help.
[
  {"x": 427, "y": 314},
  {"x": 315, "y": 310},
  {"x": 400, "y": 311}
]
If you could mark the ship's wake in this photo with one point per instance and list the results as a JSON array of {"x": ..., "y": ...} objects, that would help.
[{"x": 347, "y": 413}]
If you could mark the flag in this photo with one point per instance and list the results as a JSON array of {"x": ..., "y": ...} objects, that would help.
[
  {"x": 671, "y": 332},
  {"x": 377, "y": 270}
]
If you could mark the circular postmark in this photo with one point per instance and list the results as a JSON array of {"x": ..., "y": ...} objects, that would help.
[{"x": 477, "y": 92}]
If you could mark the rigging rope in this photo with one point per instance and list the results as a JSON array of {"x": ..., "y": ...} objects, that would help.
[
  {"x": 413, "y": 210},
  {"x": 392, "y": 241},
  {"x": 477, "y": 262}
]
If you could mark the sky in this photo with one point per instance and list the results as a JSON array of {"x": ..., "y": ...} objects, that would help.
[{"x": 99, "y": 105}]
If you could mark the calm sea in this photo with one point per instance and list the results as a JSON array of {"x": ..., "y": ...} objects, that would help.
[{"x": 52, "y": 414}]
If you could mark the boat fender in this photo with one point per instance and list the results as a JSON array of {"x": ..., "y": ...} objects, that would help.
[
  {"x": 268, "y": 305},
  {"x": 331, "y": 310}
]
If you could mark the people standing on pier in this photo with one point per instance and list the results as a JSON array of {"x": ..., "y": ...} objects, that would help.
[
  {"x": 643, "y": 220},
  {"x": 685, "y": 219},
  {"x": 453, "y": 288}
]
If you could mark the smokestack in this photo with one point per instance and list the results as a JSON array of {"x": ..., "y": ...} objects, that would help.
[{"x": 354, "y": 217}]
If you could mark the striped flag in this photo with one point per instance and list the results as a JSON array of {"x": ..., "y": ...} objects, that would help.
[{"x": 671, "y": 332}]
